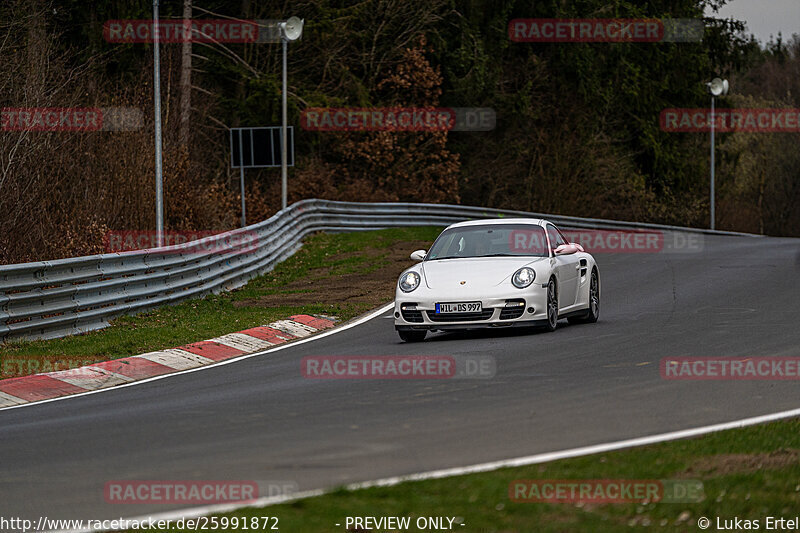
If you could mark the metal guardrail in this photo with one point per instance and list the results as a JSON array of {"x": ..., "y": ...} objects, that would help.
[{"x": 52, "y": 299}]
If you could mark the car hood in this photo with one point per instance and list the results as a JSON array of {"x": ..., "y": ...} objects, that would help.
[{"x": 477, "y": 272}]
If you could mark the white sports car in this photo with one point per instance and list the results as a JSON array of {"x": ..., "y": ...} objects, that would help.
[{"x": 497, "y": 273}]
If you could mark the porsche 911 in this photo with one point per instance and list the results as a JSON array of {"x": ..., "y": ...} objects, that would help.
[{"x": 497, "y": 273}]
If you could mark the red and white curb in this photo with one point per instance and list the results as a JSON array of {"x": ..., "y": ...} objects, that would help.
[{"x": 18, "y": 391}]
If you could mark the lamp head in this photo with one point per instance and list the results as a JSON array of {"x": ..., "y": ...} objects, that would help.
[
  {"x": 718, "y": 87},
  {"x": 292, "y": 29}
]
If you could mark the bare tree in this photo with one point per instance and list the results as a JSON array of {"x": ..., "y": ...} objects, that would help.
[{"x": 186, "y": 79}]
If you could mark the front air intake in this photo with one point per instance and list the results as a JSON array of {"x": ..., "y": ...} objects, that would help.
[{"x": 513, "y": 309}]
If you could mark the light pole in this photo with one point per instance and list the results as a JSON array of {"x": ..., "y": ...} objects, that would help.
[
  {"x": 716, "y": 87},
  {"x": 241, "y": 174},
  {"x": 157, "y": 97},
  {"x": 291, "y": 30}
]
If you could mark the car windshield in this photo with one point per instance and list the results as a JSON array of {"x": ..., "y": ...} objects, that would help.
[{"x": 490, "y": 240}]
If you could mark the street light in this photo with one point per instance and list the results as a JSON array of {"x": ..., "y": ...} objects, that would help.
[
  {"x": 291, "y": 30},
  {"x": 716, "y": 87}
]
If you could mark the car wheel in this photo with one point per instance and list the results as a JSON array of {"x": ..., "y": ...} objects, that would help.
[
  {"x": 552, "y": 306},
  {"x": 593, "y": 313},
  {"x": 412, "y": 336}
]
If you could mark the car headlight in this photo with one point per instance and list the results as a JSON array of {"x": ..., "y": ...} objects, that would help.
[
  {"x": 523, "y": 277},
  {"x": 409, "y": 281}
]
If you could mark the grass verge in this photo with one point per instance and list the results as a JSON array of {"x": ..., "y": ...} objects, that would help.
[
  {"x": 750, "y": 473},
  {"x": 334, "y": 274}
]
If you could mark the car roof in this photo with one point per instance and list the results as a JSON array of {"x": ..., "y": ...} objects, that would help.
[{"x": 492, "y": 221}]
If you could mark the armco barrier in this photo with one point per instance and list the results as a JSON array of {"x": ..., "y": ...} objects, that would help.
[{"x": 52, "y": 299}]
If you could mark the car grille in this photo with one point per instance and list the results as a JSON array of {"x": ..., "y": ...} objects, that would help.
[
  {"x": 486, "y": 314},
  {"x": 509, "y": 313},
  {"x": 412, "y": 315}
]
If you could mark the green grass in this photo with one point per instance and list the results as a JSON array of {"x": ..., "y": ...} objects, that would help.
[
  {"x": 762, "y": 479},
  {"x": 323, "y": 256}
]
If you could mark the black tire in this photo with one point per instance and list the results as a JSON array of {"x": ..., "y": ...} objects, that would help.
[
  {"x": 412, "y": 335},
  {"x": 552, "y": 306},
  {"x": 593, "y": 313}
]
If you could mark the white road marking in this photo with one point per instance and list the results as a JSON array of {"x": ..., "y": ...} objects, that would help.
[
  {"x": 89, "y": 377},
  {"x": 243, "y": 342},
  {"x": 110, "y": 373},
  {"x": 322, "y": 335},
  {"x": 434, "y": 474},
  {"x": 6, "y": 400},
  {"x": 293, "y": 328},
  {"x": 177, "y": 359},
  {"x": 193, "y": 512}
]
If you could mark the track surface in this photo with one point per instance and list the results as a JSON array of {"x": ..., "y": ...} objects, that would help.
[{"x": 259, "y": 419}]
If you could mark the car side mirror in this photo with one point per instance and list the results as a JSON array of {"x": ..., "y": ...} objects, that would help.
[
  {"x": 419, "y": 255},
  {"x": 568, "y": 249}
]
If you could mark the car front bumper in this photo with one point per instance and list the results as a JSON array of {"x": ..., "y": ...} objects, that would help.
[{"x": 417, "y": 310}]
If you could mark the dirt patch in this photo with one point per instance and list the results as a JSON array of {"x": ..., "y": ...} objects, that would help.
[
  {"x": 742, "y": 463},
  {"x": 370, "y": 284}
]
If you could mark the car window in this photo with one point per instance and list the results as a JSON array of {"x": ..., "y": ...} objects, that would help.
[
  {"x": 490, "y": 240},
  {"x": 556, "y": 239},
  {"x": 563, "y": 237}
]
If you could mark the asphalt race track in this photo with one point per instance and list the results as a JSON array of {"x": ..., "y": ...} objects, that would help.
[{"x": 259, "y": 419}]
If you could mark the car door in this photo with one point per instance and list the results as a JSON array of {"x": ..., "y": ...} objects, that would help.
[{"x": 567, "y": 269}]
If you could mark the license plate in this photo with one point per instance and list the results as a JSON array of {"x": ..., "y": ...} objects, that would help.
[{"x": 463, "y": 307}]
